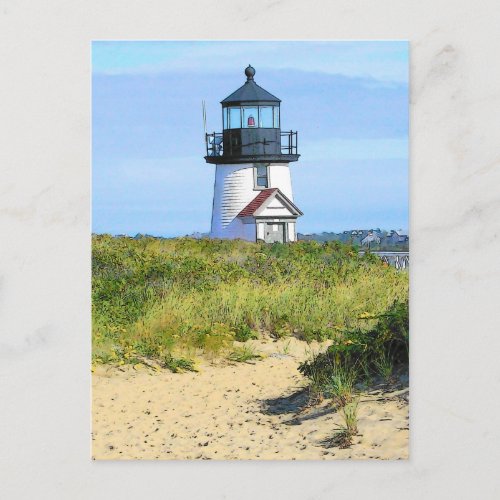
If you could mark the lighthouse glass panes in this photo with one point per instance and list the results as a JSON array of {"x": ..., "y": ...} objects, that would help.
[
  {"x": 251, "y": 117},
  {"x": 266, "y": 117},
  {"x": 225, "y": 112},
  {"x": 234, "y": 117}
]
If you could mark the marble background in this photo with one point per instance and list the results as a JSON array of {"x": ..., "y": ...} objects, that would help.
[{"x": 45, "y": 247}]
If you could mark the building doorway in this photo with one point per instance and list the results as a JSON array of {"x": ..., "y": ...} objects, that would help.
[{"x": 275, "y": 232}]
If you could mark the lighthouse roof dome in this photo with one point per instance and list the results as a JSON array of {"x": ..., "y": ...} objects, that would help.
[{"x": 250, "y": 92}]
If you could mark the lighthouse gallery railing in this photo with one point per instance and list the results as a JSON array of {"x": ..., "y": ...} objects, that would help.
[{"x": 215, "y": 144}]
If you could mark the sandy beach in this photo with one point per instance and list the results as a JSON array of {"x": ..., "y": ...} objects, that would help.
[{"x": 226, "y": 411}]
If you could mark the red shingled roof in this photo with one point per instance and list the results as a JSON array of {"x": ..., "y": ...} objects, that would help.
[{"x": 257, "y": 202}]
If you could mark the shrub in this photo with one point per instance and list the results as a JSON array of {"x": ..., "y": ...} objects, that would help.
[
  {"x": 281, "y": 328},
  {"x": 369, "y": 351},
  {"x": 243, "y": 332}
]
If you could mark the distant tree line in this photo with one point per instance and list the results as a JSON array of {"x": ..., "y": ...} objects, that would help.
[{"x": 376, "y": 240}]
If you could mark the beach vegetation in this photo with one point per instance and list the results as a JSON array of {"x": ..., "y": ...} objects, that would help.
[
  {"x": 364, "y": 353},
  {"x": 349, "y": 428},
  {"x": 243, "y": 354},
  {"x": 182, "y": 298}
]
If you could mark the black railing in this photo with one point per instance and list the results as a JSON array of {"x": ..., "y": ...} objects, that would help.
[
  {"x": 215, "y": 144},
  {"x": 289, "y": 143}
]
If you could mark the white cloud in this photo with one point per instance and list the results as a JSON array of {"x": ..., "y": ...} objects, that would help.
[{"x": 384, "y": 61}]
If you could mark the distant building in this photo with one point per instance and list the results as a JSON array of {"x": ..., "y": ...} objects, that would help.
[
  {"x": 377, "y": 239},
  {"x": 370, "y": 238},
  {"x": 197, "y": 235},
  {"x": 398, "y": 237}
]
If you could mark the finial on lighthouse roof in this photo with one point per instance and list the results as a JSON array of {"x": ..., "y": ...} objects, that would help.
[{"x": 249, "y": 72}]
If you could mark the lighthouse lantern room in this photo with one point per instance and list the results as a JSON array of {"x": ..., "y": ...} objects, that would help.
[{"x": 253, "y": 197}]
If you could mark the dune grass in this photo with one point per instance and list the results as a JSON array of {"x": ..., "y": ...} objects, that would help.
[
  {"x": 349, "y": 428},
  {"x": 176, "y": 299},
  {"x": 243, "y": 354}
]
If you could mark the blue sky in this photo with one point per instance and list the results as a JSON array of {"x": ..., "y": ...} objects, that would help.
[{"x": 348, "y": 101}]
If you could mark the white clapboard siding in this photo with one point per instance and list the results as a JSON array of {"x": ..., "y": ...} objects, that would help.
[{"x": 234, "y": 190}]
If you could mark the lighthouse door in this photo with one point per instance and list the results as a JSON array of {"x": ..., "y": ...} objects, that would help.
[{"x": 275, "y": 232}]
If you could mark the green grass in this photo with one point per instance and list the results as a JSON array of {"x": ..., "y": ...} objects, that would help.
[
  {"x": 340, "y": 385},
  {"x": 184, "y": 298},
  {"x": 286, "y": 348},
  {"x": 343, "y": 437},
  {"x": 364, "y": 352},
  {"x": 384, "y": 365},
  {"x": 177, "y": 365},
  {"x": 242, "y": 354},
  {"x": 330, "y": 379}
]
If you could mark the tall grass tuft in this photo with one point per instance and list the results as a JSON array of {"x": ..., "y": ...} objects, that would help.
[
  {"x": 341, "y": 385},
  {"x": 343, "y": 437},
  {"x": 384, "y": 366},
  {"x": 243, "y": 354}
]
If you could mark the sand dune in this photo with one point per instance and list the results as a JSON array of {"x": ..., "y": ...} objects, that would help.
[{"x": 243, "y": 411}]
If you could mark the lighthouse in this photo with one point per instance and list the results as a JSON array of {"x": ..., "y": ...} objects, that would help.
[{"x": 253, "y": 197}]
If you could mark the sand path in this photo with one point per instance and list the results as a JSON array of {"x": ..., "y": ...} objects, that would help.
[{"x": 241, "y": 411}]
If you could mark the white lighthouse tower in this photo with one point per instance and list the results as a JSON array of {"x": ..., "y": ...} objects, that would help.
[{"x": 253, "y": 197}]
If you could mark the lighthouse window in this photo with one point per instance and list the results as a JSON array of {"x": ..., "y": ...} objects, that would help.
[
  {"x": 250, "y": 117},
  {"x": 276, "y": 117},
  {"x": 266, "y": 116},
  {"x": 261, "y": 177},
  {"x": 224, "y": 118},
  {"x": 234, "y": 117}
]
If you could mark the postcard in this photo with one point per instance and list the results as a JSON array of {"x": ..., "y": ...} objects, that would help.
[{"x": 250, "y": 250}]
